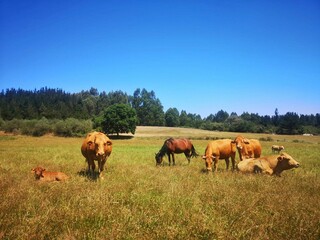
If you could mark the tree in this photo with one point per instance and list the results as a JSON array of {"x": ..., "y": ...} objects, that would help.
[
  {"x": 119, "y": 118},
  {"x": 183, "y": 118},
  {"x": 172, "y": 117},
  {"x": 149, "y": 108},
  {"x": 289, "y": 124}
]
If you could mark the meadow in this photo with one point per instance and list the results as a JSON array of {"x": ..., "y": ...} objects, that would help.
[{"x": 137, "y": 200}]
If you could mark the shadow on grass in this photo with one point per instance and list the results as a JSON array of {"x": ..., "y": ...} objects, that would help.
[
  {"x": 120, "y": 137},
  {"x": 88, "y": 175}
]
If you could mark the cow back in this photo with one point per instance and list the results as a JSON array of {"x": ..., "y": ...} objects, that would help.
[{"x": 223, "y": 148}]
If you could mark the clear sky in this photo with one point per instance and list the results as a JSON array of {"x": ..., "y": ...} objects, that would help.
[{"x": 197, "y": 55}]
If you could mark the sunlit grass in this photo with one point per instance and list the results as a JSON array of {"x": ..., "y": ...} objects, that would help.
[{"x": 137, "y": 200}]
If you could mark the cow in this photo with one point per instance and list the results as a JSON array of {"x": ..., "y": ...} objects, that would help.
[
  {"x": 219, "y": 149},
  {"x": 276, "y": 148},
  {"x": 96, "y": 146},
  {"x": 272, "y": 165},
  {"x": 247, "y": 148},
  {"x": 43, "y": 175}
]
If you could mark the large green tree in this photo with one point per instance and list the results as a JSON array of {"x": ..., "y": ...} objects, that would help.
[
  {"x": 119, "y": 118},
  {"x": 172, "y": 117},
  {"x": 149, "y": 108}
]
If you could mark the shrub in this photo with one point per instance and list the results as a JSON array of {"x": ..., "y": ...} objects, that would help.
[{"x": 72, "y": 127}]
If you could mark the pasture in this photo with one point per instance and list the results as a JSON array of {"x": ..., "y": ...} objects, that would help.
[{"x": 137, "y": 200}]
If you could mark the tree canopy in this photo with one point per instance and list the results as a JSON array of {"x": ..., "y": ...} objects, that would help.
[{"x": 119, "y": 118}]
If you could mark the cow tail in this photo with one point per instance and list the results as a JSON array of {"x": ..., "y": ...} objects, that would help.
[{"x": 194, "y": 152}]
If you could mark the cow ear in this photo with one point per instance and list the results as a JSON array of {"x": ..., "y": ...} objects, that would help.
[
  {"x": 280, "y": 158},
  {"x": 204, "y": 157},
  {"x": 246, "y": 141}
]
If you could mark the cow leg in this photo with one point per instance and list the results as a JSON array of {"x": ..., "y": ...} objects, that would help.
[
  {"x": 91, "y": 166},
  {"x": 233, "y": 161},
  {"x": 215, "y": 164},
  {"x": 227, "y": 163},
  {"x": 169, "y": 158},
  {"x": 101, "y": 167}
]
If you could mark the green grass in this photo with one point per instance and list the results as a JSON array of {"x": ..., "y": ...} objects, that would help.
[{"x": 137, "y": 200}]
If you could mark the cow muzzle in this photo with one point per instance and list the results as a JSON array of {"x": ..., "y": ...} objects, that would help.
[{"x": 100, "y": 154}]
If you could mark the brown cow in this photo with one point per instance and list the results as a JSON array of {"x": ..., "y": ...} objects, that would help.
[
  {"x": 96, "y": 146},
  {"x": 247, "y": 148},
  {"x": 276, "y": 148},
  {"x": 219, "y": 149},
  {"x": 42, "y": 175},
  {"x": 273, "y": 165}
]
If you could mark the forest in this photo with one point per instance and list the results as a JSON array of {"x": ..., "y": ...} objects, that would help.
[{"x": 46, "y": 110}]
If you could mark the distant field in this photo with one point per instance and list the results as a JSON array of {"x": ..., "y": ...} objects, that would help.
[{"x": 137, "y": 200}]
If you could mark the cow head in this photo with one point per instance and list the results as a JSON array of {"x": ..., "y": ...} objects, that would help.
[
  {"x": 38, "y": 172},
  {"x": 285, "y": 162},
  {"x": 208, "y": 161},
  {"x": 99, "y": 143},
  {"x": 240, "y": 143}
]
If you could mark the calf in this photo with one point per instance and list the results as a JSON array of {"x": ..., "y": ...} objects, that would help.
[
  {"x": 272, "y": 165},
  {"x": 42, "y": 175},
  {"x": 276, "y": 148}
]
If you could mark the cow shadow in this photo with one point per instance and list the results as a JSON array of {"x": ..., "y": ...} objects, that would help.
[
  {"x": 120, "y": 137},
  {"x": 88, "y": 175}
]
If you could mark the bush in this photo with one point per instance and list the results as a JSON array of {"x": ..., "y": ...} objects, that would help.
[
  {"x": 13, "y": 126},
  {"x": 72, "y": 127},
  {"x": 41, "y": 127}
]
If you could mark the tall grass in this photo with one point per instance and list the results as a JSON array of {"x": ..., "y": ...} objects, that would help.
[{"x": 137, "y": 200}]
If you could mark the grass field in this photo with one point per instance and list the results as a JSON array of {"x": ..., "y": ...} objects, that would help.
[{"x": 137, "y": 200}]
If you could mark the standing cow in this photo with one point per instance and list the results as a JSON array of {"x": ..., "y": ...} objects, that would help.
[
  {"x": 277, "y": 149},
  {"x": 96, "y": 146},
  {"x": 247, "y": 148},
  {"x": 219, "y": 149},
  {"x": 272, "y": 165}
]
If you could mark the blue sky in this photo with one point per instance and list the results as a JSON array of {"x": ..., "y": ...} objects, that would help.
[{"x": 197, "y": 55}]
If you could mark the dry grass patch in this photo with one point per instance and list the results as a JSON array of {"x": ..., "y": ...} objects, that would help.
[{"x": 137, "y": 200}]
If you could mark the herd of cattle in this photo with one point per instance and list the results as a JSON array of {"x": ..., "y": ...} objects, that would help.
[{"x": 98, "y": 147}]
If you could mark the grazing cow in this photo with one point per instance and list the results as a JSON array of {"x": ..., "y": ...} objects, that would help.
[
  {"x": 96, "y": 146},
  {"x": 220, "y": 149},
  {"x": 277, "y": 149},
  {"x": 273, "y": 165},
  {"x": 42, "y": 175},
  {"x": 247, "y": 148}
]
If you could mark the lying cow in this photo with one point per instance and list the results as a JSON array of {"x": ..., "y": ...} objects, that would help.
[
  {"x": 219, "y": 149},
  {"x": 277, "y": 149},
  {"x": 42, "y": 175},
  {"x": 273, "y": 165},
  {"x": 248, "y": 148},
  {"x": 96, "y": 146}
]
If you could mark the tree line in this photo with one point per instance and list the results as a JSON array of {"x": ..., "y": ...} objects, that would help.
[{"x": 68, "y": 114}]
